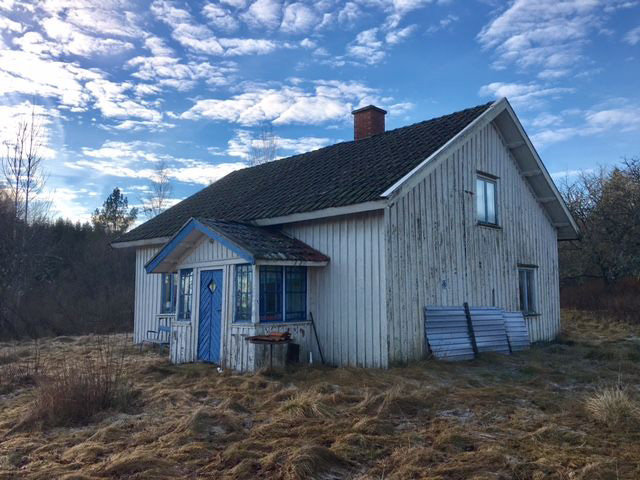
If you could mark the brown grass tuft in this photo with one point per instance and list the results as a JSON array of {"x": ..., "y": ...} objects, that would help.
[
  {"x": 315, "y": 462},
  {"x": 306, "y": 405},
  {"x": 613, "y": 406}
]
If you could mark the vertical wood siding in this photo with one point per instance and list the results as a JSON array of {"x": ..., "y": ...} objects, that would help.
[
  {"x": 438, "y": 255},
  {"x": 147, "y": 296},
  {"x": 207, "y": 250},
  {"x": 346, "y": 297},
  {"x": 181, "y": 345}
]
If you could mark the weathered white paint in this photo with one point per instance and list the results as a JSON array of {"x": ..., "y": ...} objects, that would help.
[
  {"x": 345, "y": 297},
  {"x": 181, "y": 345},
  {"x": 147, "y": 296},
  {"x": 207, "y": 250},
  {"x": 438, "y": 255}
]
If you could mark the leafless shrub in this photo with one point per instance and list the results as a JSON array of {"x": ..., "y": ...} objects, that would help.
[
  {"x": 613, "y": 406},
  {"x": 78, "y": 389},
  {"x": 16, "y": 372}
]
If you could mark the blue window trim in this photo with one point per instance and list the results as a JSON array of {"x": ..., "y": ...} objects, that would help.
[
  {"x": 281, "y": 315},
  {"x": 185, "y": 297},
  {"x": 179, "y": 237},
  {"x": 245, "y": 270},
  {"x": 172, "y": 290}
]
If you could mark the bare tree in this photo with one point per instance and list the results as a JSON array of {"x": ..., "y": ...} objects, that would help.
[
  {"x": 263, "y": 149},
  {"x": 22, "y": 166},
  {"x": 157, "y": 199}
]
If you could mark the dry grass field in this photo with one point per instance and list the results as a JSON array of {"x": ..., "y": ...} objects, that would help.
[{"x": 567, "y": 410}]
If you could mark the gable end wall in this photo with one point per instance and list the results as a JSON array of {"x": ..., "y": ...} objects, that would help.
[{"x": 437, "y": 254}]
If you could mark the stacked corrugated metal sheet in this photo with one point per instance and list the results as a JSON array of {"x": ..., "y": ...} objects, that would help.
[
  {"x": 447, "y": 333},
  {"x": 459, "y": 333}
]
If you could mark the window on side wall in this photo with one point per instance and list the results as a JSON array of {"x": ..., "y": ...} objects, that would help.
[
  {"x": 169, "y": 293},
  {"x": 186, "y": 294},
  {"x": 283, "y": 294},
  {"x": 526, "y": 281},
  {"x": 486, "y": 200},
  {"x": 243, "y": 295}
]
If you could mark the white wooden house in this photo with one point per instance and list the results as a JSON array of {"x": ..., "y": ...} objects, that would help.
[{"x": 361, "y": 236}]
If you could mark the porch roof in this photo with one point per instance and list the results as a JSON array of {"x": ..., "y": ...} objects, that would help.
[{"x": 252, "y": 243}]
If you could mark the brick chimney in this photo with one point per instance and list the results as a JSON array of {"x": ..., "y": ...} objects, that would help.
[{"x": 368, "y": 121}]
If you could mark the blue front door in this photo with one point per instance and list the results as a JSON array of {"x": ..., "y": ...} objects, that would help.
[{"x": 210, "y": 316}]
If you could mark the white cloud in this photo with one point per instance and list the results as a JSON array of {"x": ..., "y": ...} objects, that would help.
[
  {"x": 443, "y": 24},
  {"x": 400, "y": 34},
  {"x": 633, "y": 36},
  {"x": 220, "y": 17},
  {"x": 103, "y": 17},
  {"x": 243, "y": 141},
  {"x": 169, "y": 71},
  {"x": 587, "y": 124},
  {"x": 112, "y": 100},
  {"x": 8, "y": 24},
  {"x": 72, "y": 41},
  {"x": 547, "y": 34},
  {"x": 263, "y": 14},
  {"x": 46, "y": 118},
  {"x": 69, "y": 203},
  {"x": 298, "y": 18},
  {"x": 524, "y": 95},
  {"x": 201, "y": 39},
  {"x": 138, "y": 160},
  {"x": 325, "y": 101},
  {"x": 367, "y": 47}
]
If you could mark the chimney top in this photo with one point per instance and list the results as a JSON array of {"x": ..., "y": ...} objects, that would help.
[{"x": 368, "y": 121}]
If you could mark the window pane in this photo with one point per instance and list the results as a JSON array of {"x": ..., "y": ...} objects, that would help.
[
  {"x": 480, "y": 201},
  {"x": 530, "y": 292},
  {"x": 168, "y": 294},
  {"x": 244, "y": 288},
  {"x": 491, "y": 202},
  {"x": 270, "y": 294},
  {"x": 522, "y": 277},
  {"x": 296, "y": 293},
  {"x": 186, "y": 293}
]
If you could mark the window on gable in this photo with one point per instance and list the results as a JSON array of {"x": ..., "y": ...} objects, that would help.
[
  {"x": 526, "y": 281},
  {"x": 244, "y": 289},
  {"x": 283, "y": 294},
  {"x": 169, "y": 293},
  {"x": 486, "y": 200},
  {"x": 186, "y": 294}
]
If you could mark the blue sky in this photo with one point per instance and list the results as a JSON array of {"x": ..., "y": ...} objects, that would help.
[{"x": 124, "y": 86}]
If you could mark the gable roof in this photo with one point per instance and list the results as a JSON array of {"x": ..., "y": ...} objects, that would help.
[
  {"x": 343, "y": 174},
  {"x": 249, "y": 242}
]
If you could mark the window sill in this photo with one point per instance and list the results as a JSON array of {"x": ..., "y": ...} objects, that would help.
[
  {"x": 493, "y": 226},
  {"x": 527, "y": 315}
]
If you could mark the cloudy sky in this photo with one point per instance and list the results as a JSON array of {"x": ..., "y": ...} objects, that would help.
[{"x": 123, "y": 86}]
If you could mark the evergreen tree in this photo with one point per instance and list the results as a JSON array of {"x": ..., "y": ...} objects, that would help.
[{"x": 115, "y": 216}]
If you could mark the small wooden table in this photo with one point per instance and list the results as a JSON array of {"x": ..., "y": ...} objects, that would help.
[{"x": 271, "y": 340}]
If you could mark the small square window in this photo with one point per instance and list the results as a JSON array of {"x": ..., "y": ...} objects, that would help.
[{"x": 486, "y": 200}]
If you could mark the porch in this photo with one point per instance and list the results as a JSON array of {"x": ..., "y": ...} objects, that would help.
[{"x": 223, "y": 282}]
